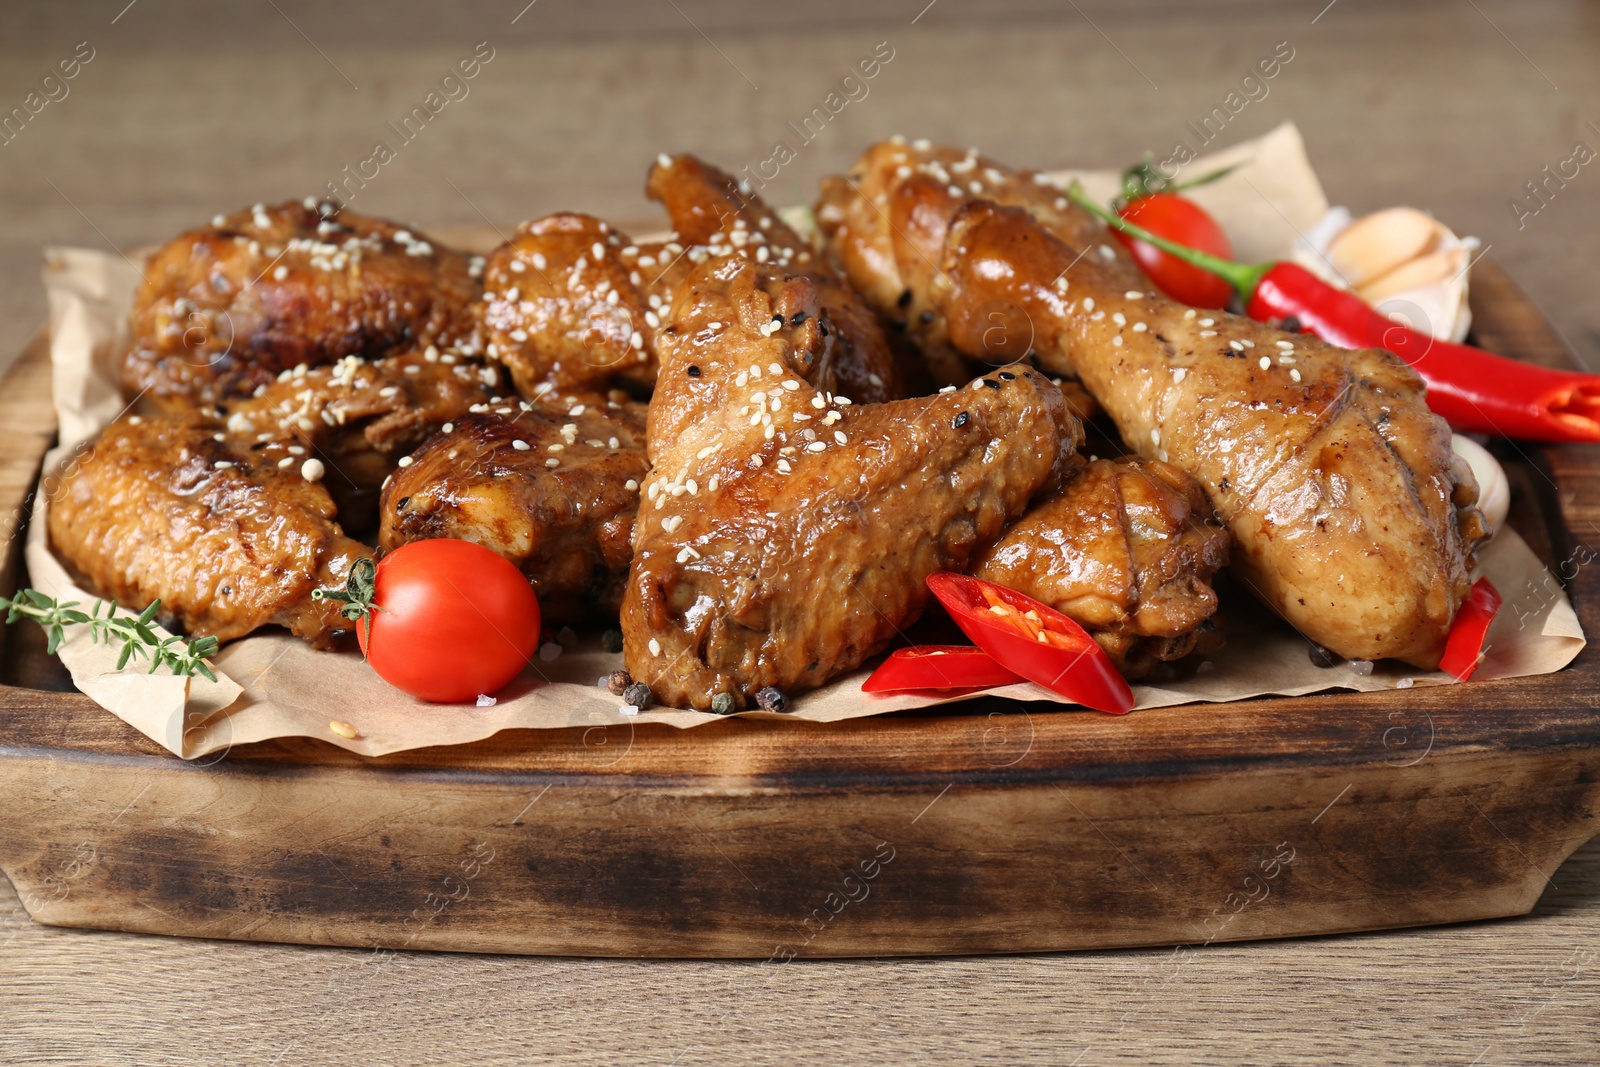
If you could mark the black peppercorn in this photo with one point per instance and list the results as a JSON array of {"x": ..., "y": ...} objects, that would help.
[
  {"x": 638, "y": 694},
  {"x": 772, "y": 699}
]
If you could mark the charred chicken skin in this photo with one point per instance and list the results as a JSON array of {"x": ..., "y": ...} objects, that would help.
[
  {"x": 553, "y": 488},
  {"x": 574, "y": 305},
  {"x": 227, "y": 536},
  {"x": 1126, "y": 549},
  {"x": 226, "y": 308},
  {"x": 786, "y": 533},
  {"x": 1349, "y": 513}
]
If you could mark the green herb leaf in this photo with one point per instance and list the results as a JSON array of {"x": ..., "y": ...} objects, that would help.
[{"x": 134, "y": 634}]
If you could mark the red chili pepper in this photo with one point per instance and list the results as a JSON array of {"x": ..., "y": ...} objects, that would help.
[
  {"x": 1463, "y": 650},
  {"x": 1475, "y": 391},
  {"x": 939, "y": 669},
  {"x": 1034, "y": 640}
]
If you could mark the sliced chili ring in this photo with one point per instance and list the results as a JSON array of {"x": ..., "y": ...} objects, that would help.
[
  {"x": 938, "y": 669},
  {"x": 1464, "y": 648},
  {"x": 1034, "y": 640}
]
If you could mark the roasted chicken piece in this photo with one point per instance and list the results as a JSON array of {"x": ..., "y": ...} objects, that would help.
[
  {"x": 360, "y": 417},
  {"x": 228, "y": 537},
  {"x": 787, "y": 533},
  {"x": 226, "y": 308},
  {"x": 1126, "y": 549},
  {"x": 890, "y": 247},
  {"x": 553, "y": 488},
  {"x": 574, "y": 305},
  {"x": 1349, "y": 513}
]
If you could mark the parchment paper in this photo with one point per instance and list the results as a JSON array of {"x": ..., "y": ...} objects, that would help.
[{"x": 273, "y": 685}]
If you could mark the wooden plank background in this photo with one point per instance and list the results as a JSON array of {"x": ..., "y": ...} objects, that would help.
[{"x": 189, "y": 108}]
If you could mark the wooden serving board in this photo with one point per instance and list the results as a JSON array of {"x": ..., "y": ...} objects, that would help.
[{"x": 999, "y": 828}]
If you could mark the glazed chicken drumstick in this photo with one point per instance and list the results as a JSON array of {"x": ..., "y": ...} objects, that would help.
[
  {"x": 1350, "y": 514},
  {"x": 786, "y": 533}
]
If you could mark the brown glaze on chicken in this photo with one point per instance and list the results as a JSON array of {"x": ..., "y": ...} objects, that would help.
[
  {"x": 1350, "y": 514},
  {"x": 890, "y": 245},
  {"x": 227, "y": 307},
  {"x": 1127, "y": 549},
  {"x": 553, "y": 488},
  {"x": 786, "y": 534},
  {"x": 359, "y": 418},
  {"x": 227, "y": 537},
  {"x": 574, "y": 305}
]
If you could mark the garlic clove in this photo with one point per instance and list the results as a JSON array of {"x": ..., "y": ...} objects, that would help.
[
  {"x": 1376, "y": 244},
  {"x": 1427, "y": 290},
  {"x": 1434, "y": 268}
]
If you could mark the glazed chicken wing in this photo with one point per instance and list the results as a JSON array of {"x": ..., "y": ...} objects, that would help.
[
  {"x": 574, "y": 305},
  {"x": 1349, "y": 512},
  {"x": 708, "y": 209},
  {"x": 1126, "y": 549},
  {"x": 554, "y": 489},
  {"x": 358, "y": 418},
  {"x": 226, "y": 308},
  {"x": 227, "y": 537},
  {"x": 787, "y": 533}
]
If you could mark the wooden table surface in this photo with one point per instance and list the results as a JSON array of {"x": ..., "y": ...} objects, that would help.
[{"x": 188, "y": 108}]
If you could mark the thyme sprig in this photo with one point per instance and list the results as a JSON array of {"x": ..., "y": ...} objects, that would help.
[
  {"x": 132, "y": 632},
  {"x": 358, "y": 593}
]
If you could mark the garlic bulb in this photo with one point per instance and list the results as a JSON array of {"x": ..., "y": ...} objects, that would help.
[
  {"x": 1494, "y": 490},
  {"x": 1402, "y": 261}
]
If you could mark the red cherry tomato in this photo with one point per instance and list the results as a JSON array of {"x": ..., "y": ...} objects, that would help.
[
  {"x": 453, "y": 620},
  {"x": 1463, "y": 650},
  {"x": 940, "y": 669},
  {"x": 1033, "y": 639},
  {"x": 1179, "y": 219}
]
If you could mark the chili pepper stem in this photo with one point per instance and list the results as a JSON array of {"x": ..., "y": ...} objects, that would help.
[
  {"x": 1142, "y": 179},
  {"x": 1242, "y": 276}
]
